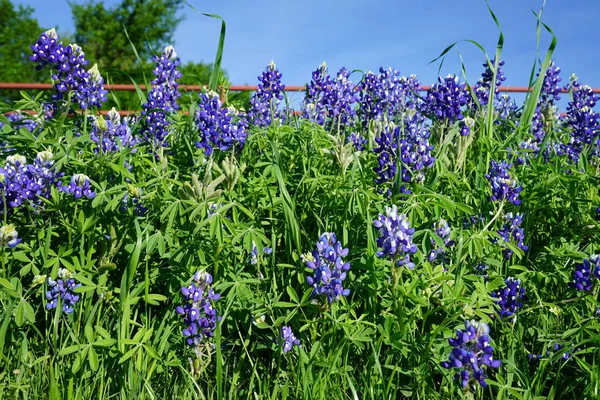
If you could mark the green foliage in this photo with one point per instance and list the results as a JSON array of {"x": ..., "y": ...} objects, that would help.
[{"x": 18, "y": 30}]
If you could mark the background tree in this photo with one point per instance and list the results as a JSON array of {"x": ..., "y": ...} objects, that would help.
[{"x": 18, "y": 30}]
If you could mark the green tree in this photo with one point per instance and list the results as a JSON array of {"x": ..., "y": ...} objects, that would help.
[{"x": 18, "y": 31}]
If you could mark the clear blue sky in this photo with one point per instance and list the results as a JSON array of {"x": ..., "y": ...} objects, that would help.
[{"x": 366, "y": 34}]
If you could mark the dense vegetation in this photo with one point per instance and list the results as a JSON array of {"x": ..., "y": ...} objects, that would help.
[{"x": 378, "y": 243}]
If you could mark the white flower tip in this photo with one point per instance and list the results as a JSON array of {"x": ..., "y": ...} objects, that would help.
[
  {"x": 94, "y": 73},
  {"x": 51, "y": 33},
  {"x": 272, "y": 65},
  {"x": 170, "y": 52}
]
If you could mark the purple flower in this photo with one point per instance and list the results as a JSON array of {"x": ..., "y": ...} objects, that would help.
[
  {"x": 219, "y": 127},
  {"x": 330, "y": 101},
  {"x": 510, "y": 298},
  {"x": 442, "y": 230},
  {"x": 504, "y": 187},
  {"x": 395, "y": 237},
  {"x": 68, "y": 71},
  {"x": 512, "y": 232},
  {"x": 471, "y": 354},
  {"x": 79, "y": 186},
  {"x": 266, "y": 99},
  {"x": 289, "y": 340},
  {"x": 329, "y": 267},
  {"x": 583, "y": 121},
  {"x": 19, "y": 120},
  {"x": 112, "y": 133},
  {"x": 483, "y": 86},
  {"x": 62, "y": 289},
  {"x": 446, "y": 99},
  {"x": 254, "y": 254},
  {"x": 585, "y": 272},
  {"x": 162, "y": 99},
  {"x": 133, "y": 198},
  {"x": 200, "y": 315},
  {"x": 387, "y": 96}
]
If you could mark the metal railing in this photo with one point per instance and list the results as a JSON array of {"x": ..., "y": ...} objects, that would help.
[{"x": 232, "y": 88}]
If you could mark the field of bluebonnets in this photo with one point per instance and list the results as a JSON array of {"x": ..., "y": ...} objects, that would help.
[{"x": 377, "y": 243}]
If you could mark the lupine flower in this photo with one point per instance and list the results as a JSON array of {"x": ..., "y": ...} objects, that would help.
[
  {"x": 69, "y": 74},
  {"x": 504, "y": 187},
  {"x": 19, "y": 120},
  {"x": 289, "y": 340},
  {"x": 112, "y": 133},
  {"x": 472, "y": 354},
  {"x": 63, "y": 289},
  {"x": 200, "y": 315},
  {"x": 265, "y": 100},
  {"x": 481, "y": 269},
  {"x": 329, "y": 101},
  {"x": 9, "y": 236},
  {"x": 441, "y": 229},
  {"x": 411, "y": 150},
  {"x": 583, "y": 120},
  {"x": 512, "y": 232},
  {"x": 24, "y": 183},
  {"x": 505, "y": 106},
  {"x": 219, "y": 127},
  {"x": 510, "y": 298},
  {"x": 79, "y": 186},
  {"x": 357, "y": 141},
  {"x": 585, "y": 272},
  {"x": 565, "y": 356},
  {"x": 483, "y": 86},
  {"x": 550, "y": 86},
  {"x": 162, "y": 99},
  {"x": 446, "y": 99},
  {"x": 254, "y": 254},
  {"x": 330, "y": 269},
  {"x": 133, "y": 198},
  {"x": 387, "y": 95},
  {"x": 395, "y": 237}
]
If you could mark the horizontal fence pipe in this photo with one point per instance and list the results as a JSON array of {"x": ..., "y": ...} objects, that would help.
[{"x": 232, "y": 88}]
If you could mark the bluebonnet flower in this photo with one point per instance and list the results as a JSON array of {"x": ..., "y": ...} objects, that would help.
[
  {"x": 510, "y": 298},
  {"x": 504, "y": 187},
  {"x": 550, "y": 86},
  {"x": 68, "y": 71},
  {"x": 133, "y": 198},
  {"x": 79, "y": 186},
  {"x": 24, "y": 183},
  {"x": 112, "y": 133},
  {"x": 219, "y": 127},
  {"x": 472, "y": 354},
  {"x": 565, "y": 356},
  {"x": 512, "y": 232},
  {"x": 330, "y": 101},
  {"x": 483, "y": 86},
  {"x": 9, "y": 236},
  {"x": 19, "y": 120},
  {"x": 582, "y": 119},
  {"x": 410, "y": 150},
  {"x": 395, "y": 237},
  {"x": 62, "y": 289},
  {"x": 357, "y": 141},
  {"x": 266, "y": 99},
  {"x": 330, "y": 269},
  {"x": 387, "y": 95},
  {"x": 254, "y": 254},
  {"x": 446, "y": 99},
  {"x": 442, "y": 229},
  {"x": 527, "y": 148},
  {"x": 289, "y": 340},
  {"x": 505, "y": 106},
  {"x": 585, "y": 272},
  {"x": 481, "y": 268},
  {"x": 162, "y": 99},
  {"x": 200, "y": 315}
]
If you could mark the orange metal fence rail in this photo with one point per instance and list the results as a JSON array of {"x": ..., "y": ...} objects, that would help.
[{"x": 232, "y": 88}]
